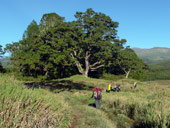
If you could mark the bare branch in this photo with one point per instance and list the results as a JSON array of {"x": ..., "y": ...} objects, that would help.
[
  {"x": 94, "y": 68},
  {"x": 98, "y": 62},
  {"x": 75, "y": 53},
  {"x": 87, "y": 54},
  {"x": 77, "y": 64}
]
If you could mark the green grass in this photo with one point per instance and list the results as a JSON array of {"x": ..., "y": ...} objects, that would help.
[{"x": 67, "y": 103}]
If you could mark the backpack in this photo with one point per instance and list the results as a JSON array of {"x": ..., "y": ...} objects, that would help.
[{"x": 98, "y": 94}]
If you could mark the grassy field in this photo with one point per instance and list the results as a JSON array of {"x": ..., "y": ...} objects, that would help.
[{"x": 66, "y": 103}]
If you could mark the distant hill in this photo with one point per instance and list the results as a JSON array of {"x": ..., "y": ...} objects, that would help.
[
  {"x": 5, "y": 61},
  {"x": 154, "y": 55}
]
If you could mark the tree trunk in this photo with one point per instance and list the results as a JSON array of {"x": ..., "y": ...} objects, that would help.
[
  {"x": 127, "y": 73},
  {"x": 46, "y": 71},
  {"x": 83, "y": 71},
  {"x": 85, "y": 74},
  {"x": 86, "y": 71}
]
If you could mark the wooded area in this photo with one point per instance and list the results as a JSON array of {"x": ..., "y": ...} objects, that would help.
[{"x": 89, "y": 46}]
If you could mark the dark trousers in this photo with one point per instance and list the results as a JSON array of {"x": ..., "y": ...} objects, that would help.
[{"x": 97, "y": 103}]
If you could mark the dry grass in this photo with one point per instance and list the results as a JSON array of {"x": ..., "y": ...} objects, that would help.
[
  {"x": 147, "y": 106},
  {"x": 22, "y": 107}
]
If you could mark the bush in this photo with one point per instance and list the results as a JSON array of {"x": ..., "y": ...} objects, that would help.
[{"x": 2, "y": 69}]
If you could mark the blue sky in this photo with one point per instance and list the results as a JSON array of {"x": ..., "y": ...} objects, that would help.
[{"x": 143, "y": 23}]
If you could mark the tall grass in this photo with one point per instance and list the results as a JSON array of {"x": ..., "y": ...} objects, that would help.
[
  {"x": 144, "y": 107},
  {"x": 22, "y": 107},
  {"x": 147, "y": 106}
]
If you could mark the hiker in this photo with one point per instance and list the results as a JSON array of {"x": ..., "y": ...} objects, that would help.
[
  {"x": 118, "y": 87},
  {"x": 114, "y": 87},
  {"x": 135, "y": 85},
  {"x": 97, "y": 95},
  {"x": 109, "y": 88}
]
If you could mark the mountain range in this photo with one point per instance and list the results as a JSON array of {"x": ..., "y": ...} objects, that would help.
[{"x": 153, "y": 55}]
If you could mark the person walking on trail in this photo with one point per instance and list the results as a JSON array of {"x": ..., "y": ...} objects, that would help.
[
  {"x": 97, "y": 94},
  {"x": 135, "y": 85},
  {"x": 109, "y": 88}
]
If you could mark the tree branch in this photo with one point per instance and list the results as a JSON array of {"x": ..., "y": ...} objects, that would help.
[
  {"x": 87, "y": 54},
  {"x": 77, "y": 64},
  {"x": 75, "y": 53},
  {"x": 94, "y": 68}
]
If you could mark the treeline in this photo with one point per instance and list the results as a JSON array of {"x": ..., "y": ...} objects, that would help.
[
  {"x": 159, "y": 71},
  {"x": 2, "y": 69},
  {"x": 89, "y": 46}
]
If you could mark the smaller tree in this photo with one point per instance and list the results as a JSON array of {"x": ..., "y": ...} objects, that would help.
[{"x": 128, "y": 61}]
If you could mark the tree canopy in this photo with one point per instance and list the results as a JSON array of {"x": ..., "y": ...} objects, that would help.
[
  {"x": 96, "y": 41},
  {"x": 57, "y": 48}
]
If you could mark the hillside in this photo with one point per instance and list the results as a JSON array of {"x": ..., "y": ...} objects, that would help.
[
  {"x": 154, "y": 55},
  {"x": 159, "y": 71},
  {"x": 66, "y": 103}
]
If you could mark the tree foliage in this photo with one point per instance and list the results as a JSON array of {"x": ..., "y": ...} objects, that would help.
[
  {"x": 49, "y": 20},
  {"x": 1, "y": 51},
  {"x": 56, "y": 48}
]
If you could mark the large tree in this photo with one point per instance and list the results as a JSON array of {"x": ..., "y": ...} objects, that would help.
[
  {"x": 95, "y": 41},
  {"x": 56, "y": 46}
]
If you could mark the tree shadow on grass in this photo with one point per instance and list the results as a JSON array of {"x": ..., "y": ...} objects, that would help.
[{"x": 59, "y": 86}]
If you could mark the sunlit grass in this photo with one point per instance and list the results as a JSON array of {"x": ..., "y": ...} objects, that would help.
[
  {"x": 146, "y": 106},
  {"x": 22, "y": 107}
]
